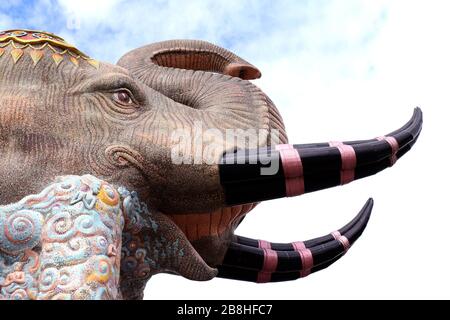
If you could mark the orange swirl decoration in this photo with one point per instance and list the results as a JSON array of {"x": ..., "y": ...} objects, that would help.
[
  {"x": 108, "y": 195},
  {"x": 100, "y": 271}
]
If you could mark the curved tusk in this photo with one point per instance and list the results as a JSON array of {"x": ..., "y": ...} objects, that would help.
[
  {"x": 312, "y": 167},
  {"x": 261, "y": 261}
]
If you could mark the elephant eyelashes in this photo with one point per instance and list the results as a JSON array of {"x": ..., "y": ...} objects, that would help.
[{"x": 123, "y": 97}]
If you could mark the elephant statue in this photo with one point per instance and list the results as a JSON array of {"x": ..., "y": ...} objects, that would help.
[{"x": 111, "y": 174}]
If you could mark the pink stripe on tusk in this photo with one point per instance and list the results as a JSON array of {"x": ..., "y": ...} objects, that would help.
[
  {"x": 305, "y": 256},
  {"x": 263, "y": 277},
  {"x": 307, "y": 262},
  {"x": 394, "y": 146},
  {"x": 264, "y": 244},
  {"x": 293, "y": 170},
  {"x": 345, "y": 243},
  {"x": 279, "y": 147},
  {"x": 348, "y": 159},
  {"x": 299, "y": 245},
  {"x": 342, "y": 239},
  {"x": 269, "y": 266},
  {"x": 336, "y": 234}
]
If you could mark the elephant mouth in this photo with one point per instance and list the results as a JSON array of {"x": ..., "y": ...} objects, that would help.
[{"x": 251, "y": 176}]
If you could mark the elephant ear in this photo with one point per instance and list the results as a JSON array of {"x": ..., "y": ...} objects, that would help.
[{"x": 204, "y": 76}]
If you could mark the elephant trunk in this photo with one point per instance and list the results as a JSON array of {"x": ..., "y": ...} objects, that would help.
[{"x": 201, "y": 55}]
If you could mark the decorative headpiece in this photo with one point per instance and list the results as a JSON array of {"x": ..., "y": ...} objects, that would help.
[{"x": 37, "y": 41}]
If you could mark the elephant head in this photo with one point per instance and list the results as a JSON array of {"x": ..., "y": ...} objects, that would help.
[{"x": 131, "y": 123}]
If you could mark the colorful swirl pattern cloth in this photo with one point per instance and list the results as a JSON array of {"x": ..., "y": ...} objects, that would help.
[
  {"x": 81, "y": 238},
  {"x": 62, "y": 243},
  {"x": 66, "y": 243}
]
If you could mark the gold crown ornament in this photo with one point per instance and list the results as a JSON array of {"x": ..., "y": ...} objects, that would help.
[{"x": 20, "y": 39}]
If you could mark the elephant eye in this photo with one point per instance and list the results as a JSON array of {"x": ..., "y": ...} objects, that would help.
[{"x": 123, "y": 97}]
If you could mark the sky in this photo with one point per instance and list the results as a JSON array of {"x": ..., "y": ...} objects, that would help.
[{"x": 337, "y": 70}]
